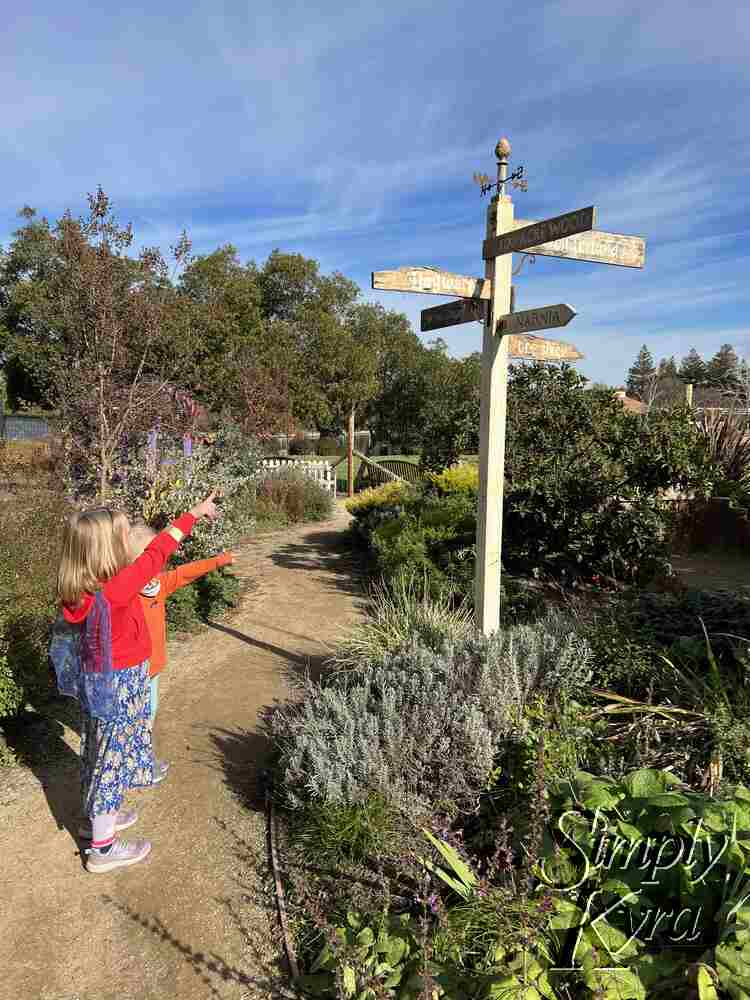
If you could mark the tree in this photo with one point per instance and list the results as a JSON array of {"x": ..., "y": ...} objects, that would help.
[
  {"x": 450, "y": 412},
  {"x": 723, "y": 369},
  {"x": 582, "y": 474},
  {"x": 692, "y": 369},
  {"x": 641, "y": 375},
  {"x": 394, "y": 415},
  {"x": 120, "y": 339},
  {"x": 29, "y": 354},
  {"x": 668, "y": 368}
]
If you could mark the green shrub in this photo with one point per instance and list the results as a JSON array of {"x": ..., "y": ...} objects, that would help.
[
  {"x": 423, "y": 727},
  {"x": 376, "y": 506},
  {"x": 328, "y": 447},
  {"x": 461, "y": 478},
  {"x": 31, "y": 526},
  {"x": 182, "y": 610},
  {"x": 317, "y": 502},
  {"x": 208, "y": 597},
  {"x": 296, "y": 496}
]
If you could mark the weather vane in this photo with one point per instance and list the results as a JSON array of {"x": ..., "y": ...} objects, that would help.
[{"x": 517, "y": 179}]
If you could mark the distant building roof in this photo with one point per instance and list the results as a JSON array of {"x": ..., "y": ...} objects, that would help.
[{"x": 631, "y": 405}]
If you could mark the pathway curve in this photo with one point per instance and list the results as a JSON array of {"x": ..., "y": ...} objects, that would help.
[{"x": 196, "y": 919}]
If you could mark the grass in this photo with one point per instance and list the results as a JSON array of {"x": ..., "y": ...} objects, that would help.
[{"x": 398, "y": 615}]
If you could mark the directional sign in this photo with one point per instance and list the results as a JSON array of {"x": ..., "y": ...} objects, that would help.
[
  {"x": 580, "y": 221},
  {"x": 432, "y": 281},
  {"x": 600, "y": 248},
  {"x": 453, "y": 313},
  {"x": 540, "y": 349},
  {"x": 544, "y": 318}
]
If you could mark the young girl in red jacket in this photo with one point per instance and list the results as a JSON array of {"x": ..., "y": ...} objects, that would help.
[{"x": 99, "y": 590}]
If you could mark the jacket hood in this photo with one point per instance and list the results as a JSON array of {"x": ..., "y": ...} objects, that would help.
[{"x": 78, "y": 614}]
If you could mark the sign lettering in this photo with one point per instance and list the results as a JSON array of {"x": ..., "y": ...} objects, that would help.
[{"x": 580, "y": 221}]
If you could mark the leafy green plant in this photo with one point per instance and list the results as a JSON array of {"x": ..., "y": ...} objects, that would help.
[
  {"x": 369, "y": 959},
  {"x": 30, "y": 534},
  {"x": 639, "y": 868},
  {"x": 182, "y": 611}
]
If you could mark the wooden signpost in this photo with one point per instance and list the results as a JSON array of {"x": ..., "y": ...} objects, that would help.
[
  {"x": 428, "y": 279},
  {"x": 599, "y": 248},
  {"x": 539, "y": 232},
  {"x": 453, "y": 314},
  {"x": 507, "y": 333},
  {"x": 532, "y": 348}
]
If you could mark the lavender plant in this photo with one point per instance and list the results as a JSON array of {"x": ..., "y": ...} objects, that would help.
[{"x": 424, "y": 726}]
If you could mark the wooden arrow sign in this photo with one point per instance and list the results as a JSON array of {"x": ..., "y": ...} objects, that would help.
[
  {"x": 432, "y": 281},
  {"x": 453, "y": 313},
  {"x": 600, "y": 248},
  {"x": 580, "y": 221},
  {"x": 539, "y": 349},
  {"x": 544, "y": 318}
]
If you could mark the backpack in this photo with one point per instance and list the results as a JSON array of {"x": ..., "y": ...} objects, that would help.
[{"x": 81, "y": 654}]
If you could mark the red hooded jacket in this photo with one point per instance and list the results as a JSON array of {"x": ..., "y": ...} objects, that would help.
[{"x": 131, "y": 642}]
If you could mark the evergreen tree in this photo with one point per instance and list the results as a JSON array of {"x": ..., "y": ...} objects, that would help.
[
  {"x": 641, "y": 374},
  {"x": 723, "y": 369},
  {"x": 668, "y": 368},
  {"x": 693, "y": 368}
]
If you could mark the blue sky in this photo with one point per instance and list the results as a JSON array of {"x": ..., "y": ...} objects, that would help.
[{"x": 351, "y": 133}]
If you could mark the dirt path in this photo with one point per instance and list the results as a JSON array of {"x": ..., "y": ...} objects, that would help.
[{"x": 196, "y": 919}]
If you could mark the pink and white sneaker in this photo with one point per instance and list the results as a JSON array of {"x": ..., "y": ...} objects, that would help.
[{"x": 122, "y": 854}]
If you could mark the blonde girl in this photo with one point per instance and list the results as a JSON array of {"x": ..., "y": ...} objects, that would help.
[{"x": 99, "y": 591}]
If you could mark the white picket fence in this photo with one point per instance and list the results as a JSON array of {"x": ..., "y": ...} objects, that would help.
[{"x": 321, "y": 472}]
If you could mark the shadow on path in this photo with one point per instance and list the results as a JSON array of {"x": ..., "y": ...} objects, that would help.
[
  {"x": 322, "y": 550},
  {"x": 37, "y": 740},
  {"x": 213, "y": 970},
  {"x": 302, "y": 662}
]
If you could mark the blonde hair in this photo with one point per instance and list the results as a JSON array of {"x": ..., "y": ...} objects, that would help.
[
  {"x": 94, "y": 549},
  {"x": 141, "y": 534}
]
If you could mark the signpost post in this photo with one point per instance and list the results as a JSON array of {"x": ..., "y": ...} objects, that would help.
[{"x": 507, "y": 333}]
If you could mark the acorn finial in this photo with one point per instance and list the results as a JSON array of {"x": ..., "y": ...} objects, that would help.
[{"x": 503, "y": 149}]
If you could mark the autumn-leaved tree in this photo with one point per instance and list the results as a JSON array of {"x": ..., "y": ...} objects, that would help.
[{"x": 120, "y": 339}]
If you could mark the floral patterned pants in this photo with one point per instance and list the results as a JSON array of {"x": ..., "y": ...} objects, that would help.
[{"x": 116, "y": 756}]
